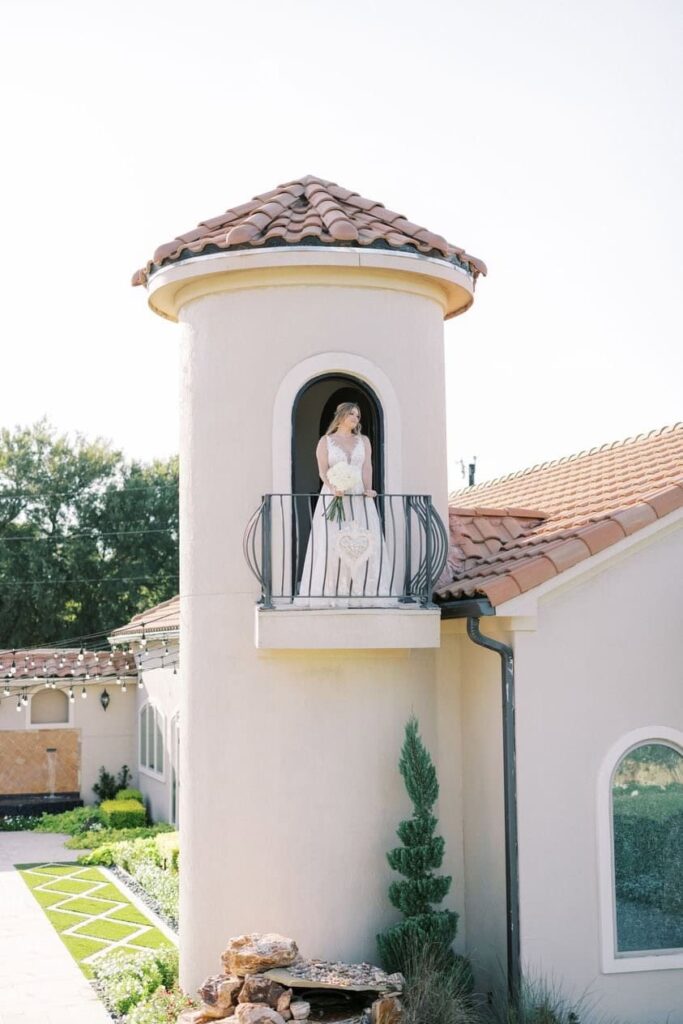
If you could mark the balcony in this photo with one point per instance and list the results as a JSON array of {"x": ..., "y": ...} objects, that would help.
[{"x": 365, "y": 582}]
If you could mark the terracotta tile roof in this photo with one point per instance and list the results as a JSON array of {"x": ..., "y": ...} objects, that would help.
[
  {"x": 162, "y": 618},
  {"x": 30, "y": 665},
  {"x": 512, "y": 534},
  {"x": 308, "y": 211}
]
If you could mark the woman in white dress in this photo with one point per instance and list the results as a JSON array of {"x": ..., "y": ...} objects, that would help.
[{"x": 347, "y": 563}]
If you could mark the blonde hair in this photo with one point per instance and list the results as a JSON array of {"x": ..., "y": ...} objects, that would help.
[{"x": 342, "y": 410}]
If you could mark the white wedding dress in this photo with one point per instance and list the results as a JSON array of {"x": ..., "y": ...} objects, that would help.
[{"x": 348, "y": 564}]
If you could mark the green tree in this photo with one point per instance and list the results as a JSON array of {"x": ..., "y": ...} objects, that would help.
[
  {"x": 423, "y": 930},
  {"x": 87, "y": 539}
]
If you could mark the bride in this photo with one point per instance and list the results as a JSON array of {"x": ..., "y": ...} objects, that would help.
[{"x": 347, "y": 559}]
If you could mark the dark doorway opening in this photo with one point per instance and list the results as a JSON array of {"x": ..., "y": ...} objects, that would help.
[{"x": 311, "y": 416}]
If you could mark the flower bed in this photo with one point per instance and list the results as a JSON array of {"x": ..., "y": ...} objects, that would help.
[{"x": 149, "y": 866}]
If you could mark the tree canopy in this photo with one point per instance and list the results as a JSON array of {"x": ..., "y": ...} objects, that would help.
[{"x": 87, "y": 538}]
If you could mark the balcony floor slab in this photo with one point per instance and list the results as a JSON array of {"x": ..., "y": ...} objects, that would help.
[{"x": 347, "y": 628}]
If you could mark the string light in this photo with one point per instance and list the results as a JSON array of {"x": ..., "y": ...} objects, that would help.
[
  {"x": 6, "y": 691},
  {"x": 123, "y": 686},
  {"x": 24, "y": 698},
  {"x": 71, "y": 695},
  {"x": 83, "y": 693},
  {"x": 18, "y": 703},
  {"x": 81, "y": 654}
]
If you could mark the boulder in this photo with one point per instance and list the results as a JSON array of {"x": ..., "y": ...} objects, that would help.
[
  {"x": 193, "y": 1017},
  {"x": 255, "y": 953},
  {"x": 284, "y": 1001},
  {"x": 219, "y": 995},
  {"x": 259, "y": 989},
  {"x": 257, "y": 1013},
  {"x": 386, "y": 1011},
  {"x": 300, "y": 1010}
]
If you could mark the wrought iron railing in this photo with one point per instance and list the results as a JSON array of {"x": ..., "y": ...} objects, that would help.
[{"x": 388, "y": 550}]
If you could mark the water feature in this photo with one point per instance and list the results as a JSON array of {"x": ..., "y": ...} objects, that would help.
[{"x": 51, "y": 755}]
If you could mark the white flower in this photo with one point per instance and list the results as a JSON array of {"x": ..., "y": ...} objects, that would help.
[{"x": 344, "y": 477}]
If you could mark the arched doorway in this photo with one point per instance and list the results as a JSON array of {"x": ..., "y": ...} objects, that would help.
[{"x": 311, "y": 415}]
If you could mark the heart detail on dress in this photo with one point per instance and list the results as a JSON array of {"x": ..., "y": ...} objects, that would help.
[{"x": 354, "y": 544}]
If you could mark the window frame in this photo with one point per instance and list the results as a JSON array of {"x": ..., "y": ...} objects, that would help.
[
  {"x": 159, "y": 722},
  {"x": 611, "y": 961}
]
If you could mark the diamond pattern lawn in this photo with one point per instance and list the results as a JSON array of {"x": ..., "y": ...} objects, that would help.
[{"x": 91, "y": 915}]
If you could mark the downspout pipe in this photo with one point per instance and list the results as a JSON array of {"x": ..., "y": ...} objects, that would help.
[{"x": 472, "y": 610}]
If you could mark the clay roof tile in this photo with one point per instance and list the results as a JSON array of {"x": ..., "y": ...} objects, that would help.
[{"x": 343, "y": 217}]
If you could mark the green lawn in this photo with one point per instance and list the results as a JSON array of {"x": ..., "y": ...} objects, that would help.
[{"x": 91, "y": 915}]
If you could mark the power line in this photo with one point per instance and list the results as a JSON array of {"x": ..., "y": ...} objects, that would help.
[
  {"x": 13, "y": 495},
  {"x": 91, "y": 579},
  {"x": 59, "y": 539}
]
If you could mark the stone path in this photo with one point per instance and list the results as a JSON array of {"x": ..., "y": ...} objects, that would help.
[{"x": 39, "y": 981}]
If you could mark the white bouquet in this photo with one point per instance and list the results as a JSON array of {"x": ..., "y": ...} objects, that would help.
[{"x": 342, "y": 477}]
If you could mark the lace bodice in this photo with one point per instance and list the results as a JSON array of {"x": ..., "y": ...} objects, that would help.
[
  {"x": 337, "y": 453},
  {"x": 330, "y": 452}
]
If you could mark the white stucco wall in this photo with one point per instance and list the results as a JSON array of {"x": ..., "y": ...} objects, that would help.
[
  {"x": 604, "y": 661},
  {"x": 107, "y": 737},
  {"x": 161, "y": 688},
  {"x": 291, "y": 792}
]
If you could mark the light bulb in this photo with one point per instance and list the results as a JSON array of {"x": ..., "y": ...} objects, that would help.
[
  {"x": 139, "y": 684},
  {"x": 123, "y": 687},
  {"x": 24, "y": 699},
  {"x": 18, "y": 704},
  {"x": 71, "y": 694}
]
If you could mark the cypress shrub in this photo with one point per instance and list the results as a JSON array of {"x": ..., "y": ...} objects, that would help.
[{"x": 420, "y": 856}]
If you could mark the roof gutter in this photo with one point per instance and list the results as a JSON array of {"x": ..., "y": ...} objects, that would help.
[{"x": 472, "y": 610}]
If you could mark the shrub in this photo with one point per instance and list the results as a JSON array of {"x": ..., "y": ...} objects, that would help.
[
  {"x": 417, "y": 859},
  {"x": 130, "y": 794},
  {"x": 433, "y": 995},
  {"x": 161, "y": 885},
  {"x": 543, "y": 1002},
  {"x": 123, "y": 813},
  {"x": 128, "y": 978},
  {"x": 74, "y": 822},
  {"x": 18, "y": 823},
  {"x": 163, "y": 1007},
  {"x": 108, "y": 785},
  {"x": 168, "y": 847},
  {"x": 100, "y": 837}
]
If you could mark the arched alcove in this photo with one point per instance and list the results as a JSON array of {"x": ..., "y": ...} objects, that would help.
[
  {"x": 312, "y": 413},
  {"x": 49, "y": 707}
]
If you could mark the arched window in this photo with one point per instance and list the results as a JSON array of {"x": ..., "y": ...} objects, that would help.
[
  {"x": 647, "y": 823},
  {"x": 49, "y": 707},
  {"x": 151, "y": 739},
  {"x": 642, "y": 881}
]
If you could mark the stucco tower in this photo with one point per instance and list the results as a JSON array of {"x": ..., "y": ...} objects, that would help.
[{"x": 292, "y": 715}]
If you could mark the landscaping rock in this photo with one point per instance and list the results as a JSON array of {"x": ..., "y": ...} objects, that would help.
[
  {"x": 257, "y": 1013},
  {"x": 194, "y": 1017},
  {"x": 327, "y": 974},
  {"x": 300, "y": 1010},
  {"x": 259, "y": 989},
  {"x": 284, "y": 1001},
  {"x": 386, "y": 1011},
  {"x": 255, "y": 953},
  {"x": 219, "y": 995}
]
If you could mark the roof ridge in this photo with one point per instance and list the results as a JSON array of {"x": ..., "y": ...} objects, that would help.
[{"x": 563, "y": 460}]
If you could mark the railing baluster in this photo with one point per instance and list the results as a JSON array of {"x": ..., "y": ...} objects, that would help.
[
  {"x": 424, "y": 547},
  {"x": 282, "y": 518},
  {"x": 266, "y": 553}
]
